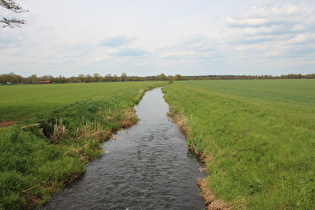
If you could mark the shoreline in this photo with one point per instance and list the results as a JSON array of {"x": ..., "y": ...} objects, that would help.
[
  {"x": 44, "y": 155},
  {"x": 211, "y": 202}
]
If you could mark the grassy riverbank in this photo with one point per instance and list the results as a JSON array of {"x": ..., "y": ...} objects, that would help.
[
  {"x": 257, "y": 138},
  {"x": 56, "y": 130}
]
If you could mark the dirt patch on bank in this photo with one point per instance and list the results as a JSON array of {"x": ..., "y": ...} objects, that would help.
[
  {"x": 7, "y": 123},
  {"x": 208, "y": 196}
]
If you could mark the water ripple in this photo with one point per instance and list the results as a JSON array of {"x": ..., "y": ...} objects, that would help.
[{"x": 148, "y": 166}]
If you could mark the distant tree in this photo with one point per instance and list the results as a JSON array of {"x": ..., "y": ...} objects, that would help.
[
  {"x": 81, "y": 77},
  {"x": 151, "y": 78},
  {"x": 14, "y": 7},
  {"x": 97, "y": 77},
  {"x": 62, "y": 79},
  {"x": 47, "y": 78},
  {"x": 162, "y": 77},
  {"x": 74, "y": 79},
  {"x": 115, "y": 78},
  {"x": 108, "y": 78},
  {"x": 170, "y": 79},
  {"x": 178, "y": 77},
  {"x": 88, "y": 78},
  {"x": 33, "y": 79},
  {"x": 11, "y": 78},
  {"x": 124, "y": 77}
]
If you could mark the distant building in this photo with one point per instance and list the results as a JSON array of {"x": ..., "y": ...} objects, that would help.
[{"x": 45, "y": 82}]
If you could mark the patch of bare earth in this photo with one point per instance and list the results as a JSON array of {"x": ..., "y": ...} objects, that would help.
[
  {"x": 7, "y": 123},
  {"x": 208, "y": 196}
]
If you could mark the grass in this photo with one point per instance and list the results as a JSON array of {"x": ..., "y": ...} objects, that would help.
[
  {"x": 257, "y": 138},
  {"x": 58, "y": 130},
  {"x": 22, "y": 102}
]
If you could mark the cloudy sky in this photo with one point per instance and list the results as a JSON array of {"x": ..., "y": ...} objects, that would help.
[{"x": 150, "y": 37}]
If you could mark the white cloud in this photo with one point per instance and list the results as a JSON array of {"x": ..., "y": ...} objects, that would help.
[
  {"x": 303, "y": 38},
  {"x": 177, "y": 55},
  {"x": 246, "y": 22},
  {"x": 117, "y": 40},
  {"x": 274, "y": 32},
  {"x": 130, "y": 52},
  {"x": 194, "y": 49},
  {"x": 266, "y": 19},
  {"x": 198, "y": 37}
]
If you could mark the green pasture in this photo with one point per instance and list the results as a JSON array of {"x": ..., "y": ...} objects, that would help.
[
  {"x": 58, "y": 130},
  {"x": 21, "y": 102},
  {"x": 257, "y": 138}
]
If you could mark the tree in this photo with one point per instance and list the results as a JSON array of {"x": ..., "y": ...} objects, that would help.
[
  {"x": 62, "y": 79},
  {"x": 11, "y": 78},
  {"x": 81, "y": 77},
  {"x": 97, "y": 77},
  {"x": 170, "y": 79},
  {"x": 88, "y": 78},
  {"x": 124, "y": 77},
  {"x": 14, "y": 7},
  {"x": 178, "y": 77},
  {"x": 115, "y": 78},
  {"x": 162, "y": 77},
  {"x": 108, "y": 78},
  {"x": 47, "y": 78},
  {"x": 33, "y": 79}
]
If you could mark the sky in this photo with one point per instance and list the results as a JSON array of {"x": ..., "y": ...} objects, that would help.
[{"x": 150, "y": 37}]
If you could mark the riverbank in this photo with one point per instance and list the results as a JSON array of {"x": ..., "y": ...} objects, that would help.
[
  {"x": 49, "y": 150},
  {"x": 256, "y": 138},
  {"x": 211, "y": 202},
  {"x": 146, "y": 166}
]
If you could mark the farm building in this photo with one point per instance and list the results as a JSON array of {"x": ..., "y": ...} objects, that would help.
[{"x": 45, "y": 82}]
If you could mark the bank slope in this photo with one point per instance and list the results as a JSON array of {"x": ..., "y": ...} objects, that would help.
[
  {"x": 259, "y": 149},
  {"x": 48, "y": 150}
]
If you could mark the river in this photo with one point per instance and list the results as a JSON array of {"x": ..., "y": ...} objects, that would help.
[{"x": 147, "y": 166}]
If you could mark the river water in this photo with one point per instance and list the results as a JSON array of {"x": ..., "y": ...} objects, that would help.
[{"x": 147, "y": 166}]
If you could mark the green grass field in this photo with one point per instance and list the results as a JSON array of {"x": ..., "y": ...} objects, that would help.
[
  {"x": 257, "y": 138},
  {"x": 58, "y": 130},
  {"x": 20, "y": 102}
]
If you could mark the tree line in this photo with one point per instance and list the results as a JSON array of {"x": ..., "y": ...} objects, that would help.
[{"x": 12, "y": 78}]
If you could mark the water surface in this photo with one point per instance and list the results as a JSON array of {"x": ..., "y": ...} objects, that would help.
[{"x": 147, "y": 166}]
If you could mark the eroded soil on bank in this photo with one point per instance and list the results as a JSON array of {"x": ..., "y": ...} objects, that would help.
[{"x": 6, "y": 124}]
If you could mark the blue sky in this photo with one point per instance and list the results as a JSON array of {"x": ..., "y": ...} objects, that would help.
[{"x": 150, "y": 37}]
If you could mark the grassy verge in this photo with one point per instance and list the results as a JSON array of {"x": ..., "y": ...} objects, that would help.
[
  {"x": 48, "y": 149},
  {"x": 256, "y": 137}
]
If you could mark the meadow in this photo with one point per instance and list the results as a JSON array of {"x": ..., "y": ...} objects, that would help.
[
  {"x": 22, "y": 102},
  {"x": 57, "y": 129},
  {"x": 256, "y": 137}
]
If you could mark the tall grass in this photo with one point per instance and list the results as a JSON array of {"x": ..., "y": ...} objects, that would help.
[
  {"x": 53, "y": 140},
  {"x": 257, "y": 138}
]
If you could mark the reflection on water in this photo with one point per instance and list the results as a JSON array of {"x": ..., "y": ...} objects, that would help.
[{"x": 147, "y": 166}]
